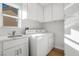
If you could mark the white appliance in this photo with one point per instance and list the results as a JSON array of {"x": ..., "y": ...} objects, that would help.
[
  {"x": 32, "y": 31},
  {"x": 41, "y": 44}
]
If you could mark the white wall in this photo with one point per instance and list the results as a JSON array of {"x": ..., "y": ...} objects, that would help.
[{"x": 56, "y": 27}]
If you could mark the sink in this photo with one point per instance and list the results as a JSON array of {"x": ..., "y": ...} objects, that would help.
[
  {"x": 2, "y": 38},
  {"x": 10, "y": 37},
  {"x": 35, "y": 34},
  {"x": 14, "y": 36}
]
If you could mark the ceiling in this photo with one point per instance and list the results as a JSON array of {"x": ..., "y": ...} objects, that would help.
[
  {"x": 45, "y": 4},
  {"x": 66, "y": 4},
  {"x": 42, "y": 4}
]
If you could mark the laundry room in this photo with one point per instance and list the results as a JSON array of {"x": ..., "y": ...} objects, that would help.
[{"x": 32, "y": 29}]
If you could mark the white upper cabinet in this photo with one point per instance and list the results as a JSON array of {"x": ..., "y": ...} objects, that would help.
[
  {"x": 39, "y": 13},
  {"x": 54, "y": 12},
  {"x": 32, "y": 11},
  {"x": 48, "y": 13},
  {"x": 58, "y": 11},
  {"x": 35, "y": 11}
]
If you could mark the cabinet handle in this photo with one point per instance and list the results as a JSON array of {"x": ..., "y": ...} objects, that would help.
[
  {"x": 20, "y": 50},
  {"x": 17, "y": 52}
]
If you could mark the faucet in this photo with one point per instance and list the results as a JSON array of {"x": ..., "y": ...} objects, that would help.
[
  {"x": 13, "y": 33},
  {"x": 25, "y": 30}
]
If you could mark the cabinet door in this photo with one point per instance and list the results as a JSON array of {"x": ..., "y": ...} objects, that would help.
[
  {"x": 42, "y": 44},
  {"x": 58, "y": 11},
  {"x": 1, "y": 48},
  {"x": 47, "y": 13},
  {"x": 23, "y": 50},
  {"x": 10, "y": 52},
  {"x": 51, "y": 44},
  {"x": 39, "y": 13},
  {"x": 0, "y": 53},
  {"x": 19, "y": 50},
  {"x": 32, "y": 14},
  {"x": 35, "y": 12}
]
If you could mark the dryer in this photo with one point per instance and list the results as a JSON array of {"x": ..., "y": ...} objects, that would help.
[{"x": 40, "y": 44}]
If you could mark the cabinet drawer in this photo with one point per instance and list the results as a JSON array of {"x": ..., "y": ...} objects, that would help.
[
  {"x": 19, "y": 50},
  {"x": 11, "y": 43}
]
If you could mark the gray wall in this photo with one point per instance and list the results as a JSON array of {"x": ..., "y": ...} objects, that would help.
[
  {"x": 56, "y": 27},
  {"x": 31, "y": 24}
]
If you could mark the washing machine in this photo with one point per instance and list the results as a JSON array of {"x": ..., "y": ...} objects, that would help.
[{"x": 40, "y": 44}]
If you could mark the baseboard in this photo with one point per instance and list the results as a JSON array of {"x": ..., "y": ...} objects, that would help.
[{"x": 59, "y": 47}]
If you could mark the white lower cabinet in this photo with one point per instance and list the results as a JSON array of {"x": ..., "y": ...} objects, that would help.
[
  {"x": 50, "y": 43},
  {"x": 10, "y": 52},
  {"x": 16, "y": 47},
  {"x": 0, "y": 53},
  {"x": 19, "y": 50}
]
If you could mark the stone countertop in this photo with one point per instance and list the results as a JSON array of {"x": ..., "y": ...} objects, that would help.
[
  {"x": 6, "y": 38},
  {"x": 2, "y": 38}
]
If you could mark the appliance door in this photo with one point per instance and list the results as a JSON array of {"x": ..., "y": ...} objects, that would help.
[
  {"x": 51, "y": 43},
  {"x": 42, "y": 46}
]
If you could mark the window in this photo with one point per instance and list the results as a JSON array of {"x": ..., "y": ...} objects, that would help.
[{"x": 10, "y": 15}]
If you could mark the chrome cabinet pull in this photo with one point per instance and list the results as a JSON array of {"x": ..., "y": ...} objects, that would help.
[
  {"x": 20, "y": 50},
  {"x": 17, "y": 52}
]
